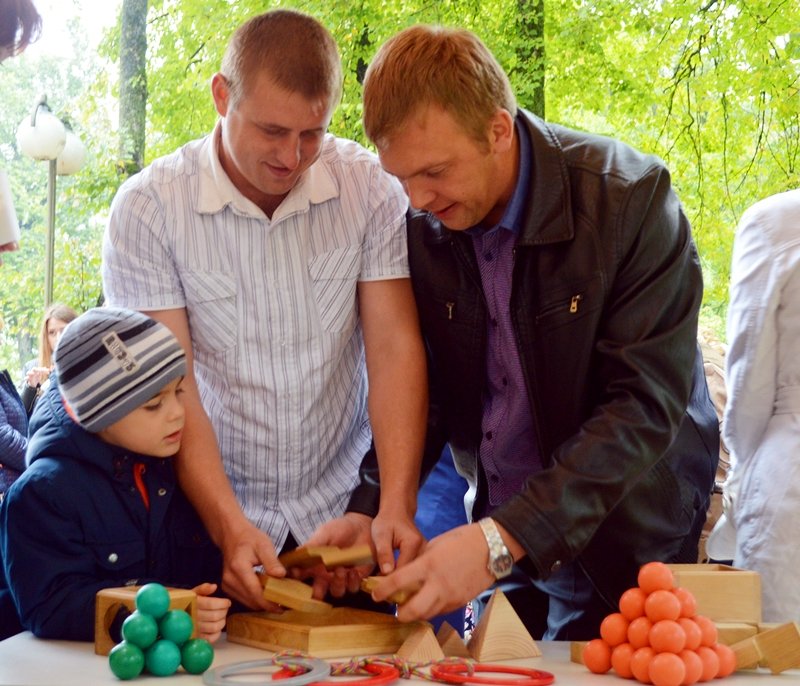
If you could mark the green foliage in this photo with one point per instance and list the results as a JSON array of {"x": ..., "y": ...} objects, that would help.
[{"x": 710, "y": 87}]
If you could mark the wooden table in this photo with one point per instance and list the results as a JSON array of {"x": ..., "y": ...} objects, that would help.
[{"x": 27, "y": 660}]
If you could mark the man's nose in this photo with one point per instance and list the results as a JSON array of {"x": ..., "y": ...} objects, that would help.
[{"x": 419, "y": 194}]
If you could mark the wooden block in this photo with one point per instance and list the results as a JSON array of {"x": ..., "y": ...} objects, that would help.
[
  {"x": 734, "y": 632},
  {"x": 421, "y": 645},
  {"x": 368, "y": 584},
  {"x": 343, "y": 631},
  {"x": 110, "y": 600},
  {"x": 328, "y": 555},
  {"x": 723, "y": 593},
  {"x": 777, "y": 649},
  {"x": 500, "y": 634},
  {"x": 451, "y": 642},
  {"x": 576, "y": 649},
  {"x": 292, "y": 593}
]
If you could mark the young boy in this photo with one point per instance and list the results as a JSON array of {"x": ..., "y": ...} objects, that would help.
[{"x": 99, "y": 505}]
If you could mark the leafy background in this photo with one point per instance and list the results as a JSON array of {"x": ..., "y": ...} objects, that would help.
[{"x": 711, "y": 87}]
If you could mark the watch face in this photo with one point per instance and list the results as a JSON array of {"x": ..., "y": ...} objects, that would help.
[{"x": 501, "y": 565}]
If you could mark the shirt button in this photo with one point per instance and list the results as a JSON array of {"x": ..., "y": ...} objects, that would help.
[
  {"x": 488, "y": 435},
  {"x": 556, "y": 566},
  {"x": 112, "y": 558},
  {"x": 162, "y": 491},
  {"x": 488, "y": 257}
]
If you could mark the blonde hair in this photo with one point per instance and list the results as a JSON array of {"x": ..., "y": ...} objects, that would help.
[
  {"x": 293, "y": 48},
  {"x": 20, "y": 25},
  {"x": 432, "y": 65},
  {"x": 58, "y": 311}
]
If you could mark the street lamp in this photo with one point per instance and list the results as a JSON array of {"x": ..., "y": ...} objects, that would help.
[{"x": 43, "y": 136}]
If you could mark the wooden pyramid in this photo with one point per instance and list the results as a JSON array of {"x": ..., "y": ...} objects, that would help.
[
  {"x": 421, "y": 645},
  {"x": 451, "y": 642},
  {"x": 500, "y": 634}
]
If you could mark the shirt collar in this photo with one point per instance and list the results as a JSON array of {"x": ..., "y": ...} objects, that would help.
[{"x": 217, "y": 191}]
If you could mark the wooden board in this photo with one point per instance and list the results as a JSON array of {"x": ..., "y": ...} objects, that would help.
[
  {"x": 292, "y": 593},
  {"x": 328, "y": 555},
  {"x": 341, "y": 632}
]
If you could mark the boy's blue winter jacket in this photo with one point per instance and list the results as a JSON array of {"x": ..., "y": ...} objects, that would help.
[{"x": 75, "y": 523}]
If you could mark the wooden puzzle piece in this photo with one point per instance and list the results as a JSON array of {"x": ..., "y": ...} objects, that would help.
[
  {"x": 368, "y": 584},
  {"x": 777, "y": 649},
  {"x": 328, "y": 555},
  {"x": 421, "y": 645},
  {"x": 500, "y": 634},
  {"x": 292, "y": 593},
  {"x": 109, "y": 600},
  {"x": 451, "y": 642}
]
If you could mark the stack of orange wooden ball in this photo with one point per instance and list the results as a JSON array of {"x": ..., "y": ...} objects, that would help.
[{"x": 657, "y": 637}]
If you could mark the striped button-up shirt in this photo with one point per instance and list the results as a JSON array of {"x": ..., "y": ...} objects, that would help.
[{"x": 273, "y": 312}]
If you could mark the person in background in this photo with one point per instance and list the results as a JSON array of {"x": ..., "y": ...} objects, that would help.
[
  {"x": 37, "y": 371},
  {"x": 20, "y": 24},
  {"x": 558, "y": 288},
  {"x": 761, "y": 425},
  {"x": 99, "y": 505},
  {"x": 276, "y": 253},
  {"x": 13, "y": 434}
]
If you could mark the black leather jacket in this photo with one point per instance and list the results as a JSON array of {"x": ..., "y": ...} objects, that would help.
[{"x": 605, "y": 296}]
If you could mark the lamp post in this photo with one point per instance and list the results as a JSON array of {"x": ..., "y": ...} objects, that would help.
[{"x": 43, "y": 136}]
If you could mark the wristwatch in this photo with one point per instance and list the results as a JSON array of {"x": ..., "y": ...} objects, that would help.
[{"x": 500, "y": 560}]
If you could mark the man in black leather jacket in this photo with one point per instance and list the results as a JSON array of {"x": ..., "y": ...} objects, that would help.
[{"x": 558, "y": 289}]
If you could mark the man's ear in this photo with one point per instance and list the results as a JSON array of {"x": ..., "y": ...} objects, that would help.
[
  {"x": 501, "y": 131},
  {"x": 221, "y": 93}
]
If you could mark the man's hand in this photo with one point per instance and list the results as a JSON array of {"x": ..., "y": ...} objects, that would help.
[
  {"x": 395, "y": 531},
  {"x": 451, "y": 571},
  {"x": 346, "y": 531},
  {"x": 242, "y": 552}
]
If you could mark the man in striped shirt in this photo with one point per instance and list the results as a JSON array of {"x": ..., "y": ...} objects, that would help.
[{"x": 276, "y": 253}]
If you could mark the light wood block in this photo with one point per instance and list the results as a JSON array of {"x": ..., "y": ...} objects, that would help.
[
  {"x": 723, "y": 593},
  {"x": 451, "y": 642},
  {"x": 576, "y": 649},
  {"x": 421, "y": 645},
  {"x": 109, "y": 600},
  {"x": 341, "y": 632},
  {"x": 328, "y": 555},
  {"x": 777, "y": 649},
  {"x": 292, "y": 593},
  {"x": 734, "y": 632},
  {"x": 500, "y": 634},
  {"x": 368, "y": 584}
]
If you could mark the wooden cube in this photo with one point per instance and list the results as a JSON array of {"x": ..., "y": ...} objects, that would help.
[
  {"x": 723, "y": 593},
  {"x": 109, "y": 600}
]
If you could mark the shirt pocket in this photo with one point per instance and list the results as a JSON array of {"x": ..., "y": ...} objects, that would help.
[
  {"x": 211, "y": 306},
  {"x": 122, "y": 560},
  {"x": 334, "y": 277}
]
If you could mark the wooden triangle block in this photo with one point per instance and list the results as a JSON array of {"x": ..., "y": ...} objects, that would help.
[
  {"x": 451, "y": 642},
  {"x": 500, "y": 634},
  {"x": 421, "y": 645}
]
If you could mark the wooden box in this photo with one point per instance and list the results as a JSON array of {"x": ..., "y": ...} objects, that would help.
[
  {"x": 341, "y": 632},
  {"x": 723, "y": 593}
]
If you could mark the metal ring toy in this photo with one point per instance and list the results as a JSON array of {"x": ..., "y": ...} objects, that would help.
[
  {"x": 315, "y": 670},
  {"x": 455, "y": 673}
]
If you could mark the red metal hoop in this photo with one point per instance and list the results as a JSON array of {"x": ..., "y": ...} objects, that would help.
[{"x": 382, "y": 674}]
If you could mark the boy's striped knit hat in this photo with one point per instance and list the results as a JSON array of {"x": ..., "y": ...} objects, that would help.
[{"x": 110, "y": 361}]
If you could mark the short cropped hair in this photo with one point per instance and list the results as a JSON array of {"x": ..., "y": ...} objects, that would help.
[
  {"x": 297, "y": 52},
  {"x": 20, "y": 25},
  {"x": 432, "y": 65}
]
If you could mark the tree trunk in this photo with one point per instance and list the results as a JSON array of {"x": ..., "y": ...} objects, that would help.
[
  {"x": 132, "y": 86},
  {"x": 528, "y": 76}
]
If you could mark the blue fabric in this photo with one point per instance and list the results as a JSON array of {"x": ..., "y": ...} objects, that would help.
[
  {"x": 75, "y": 523},
  {"x": 440, "y": 507},
  {"x": 13, "y": 433}
]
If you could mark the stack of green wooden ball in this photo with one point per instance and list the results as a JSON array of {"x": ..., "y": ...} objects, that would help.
[{"x": 156, "y": 639}]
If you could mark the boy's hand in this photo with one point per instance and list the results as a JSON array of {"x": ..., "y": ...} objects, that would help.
[{"x": 211, "y": 612}]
